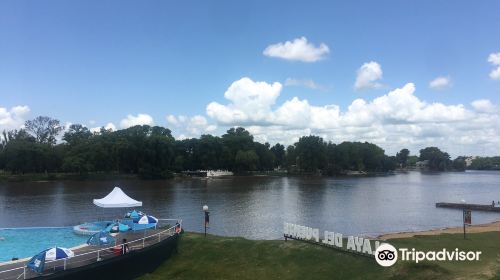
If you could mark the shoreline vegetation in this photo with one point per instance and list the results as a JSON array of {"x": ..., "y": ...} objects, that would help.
[
  {"x": 42, "y": 177},
  {"x": 219, "y": 257},
  {"x": 44, "y": 149}
]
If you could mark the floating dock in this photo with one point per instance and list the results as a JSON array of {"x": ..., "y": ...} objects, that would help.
[{"x": 479, "y": 207}]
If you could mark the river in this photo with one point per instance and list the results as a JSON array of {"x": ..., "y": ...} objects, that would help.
[{"x": 256, "y": 207}]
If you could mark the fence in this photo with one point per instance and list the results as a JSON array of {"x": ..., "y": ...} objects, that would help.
[{"x": 22, "y": 272}]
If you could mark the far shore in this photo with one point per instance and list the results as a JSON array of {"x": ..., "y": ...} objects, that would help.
[
  {"x": 489, "y": 227},
  {"x": 50, "y": 177}
]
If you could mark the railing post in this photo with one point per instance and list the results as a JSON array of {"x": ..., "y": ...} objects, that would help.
[
  {"x": 65, "y": 264},
  {"x": 24, "y": 272},
  {"x": 159, "y": 237},
  {"x": 98, "y": 255},
  {"x": 143, "y": 242}
]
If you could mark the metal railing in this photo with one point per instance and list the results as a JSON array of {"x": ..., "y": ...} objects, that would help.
[{"x": 95, "y": 255}]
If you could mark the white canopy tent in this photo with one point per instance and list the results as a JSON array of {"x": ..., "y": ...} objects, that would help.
[{"x": 117, "y": 199}]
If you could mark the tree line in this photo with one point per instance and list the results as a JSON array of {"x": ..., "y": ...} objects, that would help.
[{"x": 152, "y": 152}]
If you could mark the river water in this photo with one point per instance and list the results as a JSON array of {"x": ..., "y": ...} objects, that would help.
[{"x": 256, "y": 207}]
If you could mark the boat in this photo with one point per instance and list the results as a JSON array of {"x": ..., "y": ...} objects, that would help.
[{"x": 218, "y": 173}]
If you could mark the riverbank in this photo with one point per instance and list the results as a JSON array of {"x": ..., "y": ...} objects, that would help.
[
  {"x": 216, "y": 257},
  {"x": 44, "y": 177},
  {"x": 490, "y": 227}
]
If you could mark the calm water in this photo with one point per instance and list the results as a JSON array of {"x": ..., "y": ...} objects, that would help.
[{"x": 256, "y": 207}]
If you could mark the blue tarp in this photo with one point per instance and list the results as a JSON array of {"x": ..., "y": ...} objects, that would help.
[{"x": 101, "y": 238}]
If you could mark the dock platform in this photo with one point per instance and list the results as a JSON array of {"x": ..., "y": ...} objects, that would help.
[{"x": 478, "y": 207}]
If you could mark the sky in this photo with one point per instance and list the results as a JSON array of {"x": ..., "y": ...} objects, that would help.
[{"x": 400, "y": 74}]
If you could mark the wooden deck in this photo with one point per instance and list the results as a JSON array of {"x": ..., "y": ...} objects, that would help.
[
  {"x": 87, "y": 254},
  {"x": 478, "y": 207}
]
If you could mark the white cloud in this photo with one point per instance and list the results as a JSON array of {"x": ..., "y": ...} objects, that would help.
[
  {"x": 190, "y": 127},
  {"x": 484, "y": 106},
  {"x": 308, "y": 83},
  {"x": 108, "y": 126},
  {"x": 249, "y": 102},
  {"x": 440, "y": 83},
  {"x": 494, "y": 59},
  {"x": 368, "y": 75},
  {"x": 298, "y": 49},
  {"x": 171, "y": 119},
  {"x": 394, "y": 120},
  {"x": 13, "y": 118},
  {"x": 140, "y": 119},
  {"x": 495, "y": 74}
]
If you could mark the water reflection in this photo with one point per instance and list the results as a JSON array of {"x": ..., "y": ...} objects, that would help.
[{"x": 256, "y": 207}]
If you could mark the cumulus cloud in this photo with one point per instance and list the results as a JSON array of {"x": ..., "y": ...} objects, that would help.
[
  {"x": 440, "y": 83},
  {"x": 495, "y": 74},
  {"x": 368, "y": 75},
  {"x": 394, "y": 120},
  {"x": 250, "y": 102},
  {"x": 108, "y": 126},
  {"x": 190, "y": 127},
  {"x": 484, "y": 106},
  {"x": 140, "y": 119},
  {"x": 299, "y": 49},
  {"x": 308, "y": 83},
  {"x": 494, "y": 59},
  {"x": 13, "y": 118}
]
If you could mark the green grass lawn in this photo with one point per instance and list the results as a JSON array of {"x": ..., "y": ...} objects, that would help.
[{"x": 217, "y": 257}]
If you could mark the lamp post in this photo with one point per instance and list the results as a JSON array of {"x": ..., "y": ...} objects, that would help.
[
  {"x": 207, "y": 218},
  {"x": 467, "y": 216}
]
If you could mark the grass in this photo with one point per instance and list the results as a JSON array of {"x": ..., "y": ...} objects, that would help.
[{"x": 217, "y": 257}]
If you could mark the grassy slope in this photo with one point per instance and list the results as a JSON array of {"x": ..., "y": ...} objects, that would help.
[{"x": 238, "y": 258}]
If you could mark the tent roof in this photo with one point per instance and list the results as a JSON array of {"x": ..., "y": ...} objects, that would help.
[{"x": 117, "y": 199}]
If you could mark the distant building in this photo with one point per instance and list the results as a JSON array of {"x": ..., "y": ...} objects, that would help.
[
  {"x": 422, "y": 164},
  {"x": 468, "y": 160}
]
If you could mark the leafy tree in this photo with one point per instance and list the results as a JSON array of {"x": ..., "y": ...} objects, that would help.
[
  {"x": 151, "y": 152},
  {"x": 76, "y": 133},
  {"x": 246, "y": 160},
  {"x": 279, "y": 153},
  {"x": 310, "y": 153},
  {"x": 485, "y": 163},
  {"x": 438, "y": 160},
  {"x": 402, "y": 158},
  {"x": 459, "y": 164},
  {"x": 44, "y": 129},
  {"x": 266, "y": 157}
]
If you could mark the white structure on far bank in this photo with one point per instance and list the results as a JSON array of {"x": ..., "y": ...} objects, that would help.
[{"x": 218, "y": 173}]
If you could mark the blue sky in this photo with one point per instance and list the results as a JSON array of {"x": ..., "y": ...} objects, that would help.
[{"x": 95, "y": 62}]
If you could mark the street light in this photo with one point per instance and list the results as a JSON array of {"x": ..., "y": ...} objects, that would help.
[
  {"x": 207, "y": 218},
  {"x": 466, "y": 216}
]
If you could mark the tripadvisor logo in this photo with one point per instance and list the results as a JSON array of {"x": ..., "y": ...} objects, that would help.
[{"x": 387, "y": 255}]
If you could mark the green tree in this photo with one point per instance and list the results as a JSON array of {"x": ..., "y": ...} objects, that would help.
[
  {"x": 438, "y": 160},
  {"x": 279, "y": 153},
  {"x": 402, "y": 158},
  {"x": 459, "y": 164},
  {"x": 44, "y": 129},
  {"x": 310, "y": 153},
  {"x": 246, "y": 160}
]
